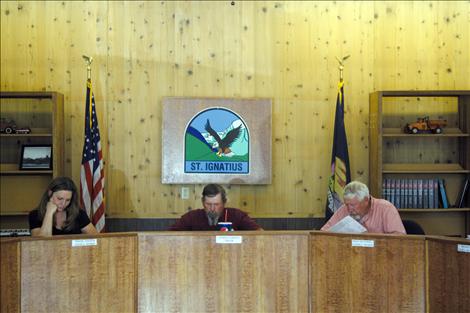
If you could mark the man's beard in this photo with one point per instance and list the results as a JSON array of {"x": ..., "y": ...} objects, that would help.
[{"x": 213, "y": 217}]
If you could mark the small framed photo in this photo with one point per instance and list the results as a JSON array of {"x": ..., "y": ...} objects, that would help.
[{"x": 36, "y": 157}]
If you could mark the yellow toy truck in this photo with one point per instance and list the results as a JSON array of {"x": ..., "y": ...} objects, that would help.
[{"x": 425, "y": 125}]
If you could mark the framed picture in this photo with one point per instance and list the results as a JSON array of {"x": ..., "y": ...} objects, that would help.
[{"x": 36, "y": 157}]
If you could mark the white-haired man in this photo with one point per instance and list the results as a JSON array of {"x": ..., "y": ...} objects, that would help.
[{"x": 377, "y": 215}]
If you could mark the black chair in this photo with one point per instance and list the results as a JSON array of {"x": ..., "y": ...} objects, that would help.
[{"x": 413, "y": 228}]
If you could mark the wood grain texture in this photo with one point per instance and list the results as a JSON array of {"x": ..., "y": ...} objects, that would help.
[
  {"x": 189, "y": 272},
  {"x": 449, "y": 276},
  {"x": 13, "y": 202},
  {"x": 56, "y": 277},
  {"x": 389, "y": 277},
  {"x": 10, "y": 276},
  {"x": 284, "y": 50}
]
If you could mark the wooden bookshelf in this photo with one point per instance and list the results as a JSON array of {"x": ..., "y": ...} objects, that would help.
[
  {"x": 395, "y": 154},
  {"x": 43, "y": 113}
]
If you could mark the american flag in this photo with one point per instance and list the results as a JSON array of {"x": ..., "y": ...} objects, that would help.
[{"x": 92, "y": 169}]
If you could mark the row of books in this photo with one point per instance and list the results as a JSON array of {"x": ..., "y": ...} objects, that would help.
[{"x": 415, "y": 193}]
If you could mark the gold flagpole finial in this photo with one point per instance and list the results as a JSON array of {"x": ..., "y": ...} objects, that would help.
[
  {"x": 88, "y": 61},
  {"x": 341, "y": 66}
]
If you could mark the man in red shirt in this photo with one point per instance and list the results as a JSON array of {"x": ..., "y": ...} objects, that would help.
[
  {"x": 377, "y": 215},
  {"x": 213, "y": 200}
]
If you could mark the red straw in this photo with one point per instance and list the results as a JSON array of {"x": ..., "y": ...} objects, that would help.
[{"x": 225, "y": 215}]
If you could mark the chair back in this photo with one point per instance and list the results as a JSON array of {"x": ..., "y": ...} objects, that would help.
[{"x": 413, "y": 228}]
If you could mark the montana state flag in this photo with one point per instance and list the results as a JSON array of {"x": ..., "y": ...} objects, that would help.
[{"x": 340, "y": 173}]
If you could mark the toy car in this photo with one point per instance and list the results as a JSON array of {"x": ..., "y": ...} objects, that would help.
[
  {"x": 7, "y": 126},
  {"x": 425, "y": 125}
]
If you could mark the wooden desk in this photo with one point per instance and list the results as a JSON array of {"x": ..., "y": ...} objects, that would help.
[
  {"x": 449, "y": 275},
  {"x": 50, "y": 275},
  {"x": 296, "y": 271},
  {"x": 388, "y": 277},
  {"x": 190, "y": 272}
]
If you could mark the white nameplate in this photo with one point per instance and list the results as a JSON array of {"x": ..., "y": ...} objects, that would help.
[
  {"x": 84, "y": 242},
  {"x": 362, "y": 243},
  {"x": 463, "y": 248},
  {"x": 228, "y": 239}
]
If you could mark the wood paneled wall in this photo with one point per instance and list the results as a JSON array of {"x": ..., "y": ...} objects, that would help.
[{"x": 144, "y": 51}]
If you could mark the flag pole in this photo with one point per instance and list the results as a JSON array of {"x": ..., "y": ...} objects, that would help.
[
  {"x": 88, "y": 61},
  {"x": 341, "y": 66},
  {"x": 340, "y": 169}
]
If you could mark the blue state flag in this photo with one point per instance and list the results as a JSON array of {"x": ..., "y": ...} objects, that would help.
[{"x": 340, "y": 171}]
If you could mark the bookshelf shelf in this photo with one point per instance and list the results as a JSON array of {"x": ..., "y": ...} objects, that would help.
[
  {"x": 448, "y": 132},
  {"x": 436, "y": 210},
  {"x": 424, "y": 168},
  {"x": 398, "y": 156}
]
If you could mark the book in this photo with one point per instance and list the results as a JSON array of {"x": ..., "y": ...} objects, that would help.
[
  {"x": 397, "y": 194},
  {"x": 403, "y": 194},
  {"x": 425, "y": 194},
  {"x": 436, "y": 193},
  {"x": 460, "y": 202},
  {"x": 415, "y": 193},
  {"x": 420, "y": 194},
  {"x": 431, "y": 193},
  {"x": 386, "y": 189},
  {"x": 392, "y": 191},
  {"x": 409, "y": 190},
  {"x": 442, "y": 189}
]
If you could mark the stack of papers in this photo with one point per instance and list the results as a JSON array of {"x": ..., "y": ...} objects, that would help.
[{"x": 348, "y": 225}]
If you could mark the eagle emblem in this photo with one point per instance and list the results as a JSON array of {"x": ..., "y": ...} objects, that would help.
[{"x": 223, "y": 145}]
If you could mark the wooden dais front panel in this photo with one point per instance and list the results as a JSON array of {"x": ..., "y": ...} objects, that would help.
[
  {"x": 10, "y": 276},
  {"x": 388, "y": 277},
  {"x": 56, "y": 277},
  {"x": 190, "y": 272},
  {"x": 449, "y": 275}
]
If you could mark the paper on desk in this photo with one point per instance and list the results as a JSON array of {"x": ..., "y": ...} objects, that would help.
[{"x": 348, "y": 225}]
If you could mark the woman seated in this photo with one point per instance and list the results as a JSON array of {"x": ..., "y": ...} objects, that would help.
[{"x": 59, "y": 211}]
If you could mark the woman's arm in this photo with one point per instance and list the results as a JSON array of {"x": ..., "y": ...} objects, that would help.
[{"x": 46, "y": 228}]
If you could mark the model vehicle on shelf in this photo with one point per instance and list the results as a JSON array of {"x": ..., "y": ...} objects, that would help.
[
  {"x": 8, "y": 126},
  {"x": 425, "y": 125}
]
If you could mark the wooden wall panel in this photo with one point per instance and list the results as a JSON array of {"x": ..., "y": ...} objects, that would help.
[
  {"x": 58, "y": 277},
  {"x": 449, "y": 275},
  {"x": 14, "y": 203},
  {"x": 188, "y": 272},
  {"x": 10, "y": 276},
  {"x": 389, "y": 277},
  {"x": 284, "y": 50}
]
